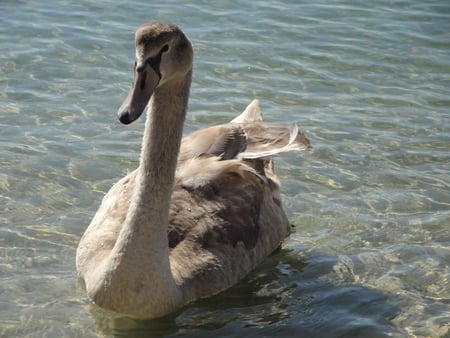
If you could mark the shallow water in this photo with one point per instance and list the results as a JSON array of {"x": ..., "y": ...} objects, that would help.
[{"x": 369, "y": 84}]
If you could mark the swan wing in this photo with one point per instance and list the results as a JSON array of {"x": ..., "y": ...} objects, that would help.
[{"x": 224, "y": 220}]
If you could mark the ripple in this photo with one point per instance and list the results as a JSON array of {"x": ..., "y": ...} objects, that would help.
[{"x": 369, "y": 85}]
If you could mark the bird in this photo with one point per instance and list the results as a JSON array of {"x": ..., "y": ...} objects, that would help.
[{"x": 200, "y": 211}]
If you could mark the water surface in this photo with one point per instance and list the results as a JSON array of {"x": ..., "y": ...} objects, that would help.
[{"x": 369, "y": 84}]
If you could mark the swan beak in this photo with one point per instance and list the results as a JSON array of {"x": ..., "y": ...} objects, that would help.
[{"x": 145, "y": 82}]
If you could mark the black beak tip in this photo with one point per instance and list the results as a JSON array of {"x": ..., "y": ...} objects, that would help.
[{"x": 124, "y": 117}]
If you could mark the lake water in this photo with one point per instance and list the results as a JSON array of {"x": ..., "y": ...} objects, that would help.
[{"x": 369, "y": 83}]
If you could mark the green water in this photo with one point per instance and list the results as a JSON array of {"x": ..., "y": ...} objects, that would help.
[{"x": 369, "y": 84}]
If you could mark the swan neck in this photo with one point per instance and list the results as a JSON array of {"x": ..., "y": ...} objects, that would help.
[
  {"x": 149, "y": 208},
  {"x": 162, "y": 139},
  {"x": 141, "y": 253}
]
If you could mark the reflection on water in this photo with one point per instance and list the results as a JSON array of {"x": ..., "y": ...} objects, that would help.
[
  {"x": 369, "y": 255},
  {"x": 285, "y": 299}
]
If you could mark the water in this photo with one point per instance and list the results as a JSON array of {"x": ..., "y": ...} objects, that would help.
[{"x": 369, "y": 83}]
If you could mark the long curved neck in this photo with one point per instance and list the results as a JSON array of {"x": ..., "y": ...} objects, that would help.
[
  {"x": 159, "y": 154},
  {"x": 141, "y": 253}
]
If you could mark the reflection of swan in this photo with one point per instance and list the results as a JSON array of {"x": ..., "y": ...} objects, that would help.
[{"x": 190, "y": 221}]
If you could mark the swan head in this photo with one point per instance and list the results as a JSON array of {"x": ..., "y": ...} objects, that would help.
[{"x": 163, "y": 54}]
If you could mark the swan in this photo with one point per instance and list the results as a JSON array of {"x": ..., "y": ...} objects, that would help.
[{"x": 199, "y": 212}]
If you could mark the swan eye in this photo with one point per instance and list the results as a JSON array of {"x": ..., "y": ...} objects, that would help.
[
  {"x": 164, "y": 49},
  {"x": 155, "y": 61}
]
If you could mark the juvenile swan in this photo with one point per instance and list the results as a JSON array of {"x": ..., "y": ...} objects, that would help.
[{"x": 198, "y": 213}]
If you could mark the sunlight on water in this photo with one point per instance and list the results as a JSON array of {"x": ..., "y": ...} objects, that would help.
[{"x": 370, "y": 85}]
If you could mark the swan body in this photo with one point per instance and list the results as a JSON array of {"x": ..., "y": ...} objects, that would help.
[{"x": 199, "y": 212}]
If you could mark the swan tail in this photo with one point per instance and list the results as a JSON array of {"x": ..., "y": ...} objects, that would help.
[
  {"x": 251, "y": 114},
  {"x": 267, "y": 140}
]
